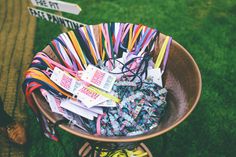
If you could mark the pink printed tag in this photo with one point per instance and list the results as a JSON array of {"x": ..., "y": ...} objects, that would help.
[
  {"x": 99, "y": 78},
  {"x": 89, "y": 98},
  {"x": 54, "y": 103},
  {"x": 65, "y": 81}
]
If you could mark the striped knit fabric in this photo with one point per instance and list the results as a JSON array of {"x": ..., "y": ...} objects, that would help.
[{"x": 17, "y": 29}]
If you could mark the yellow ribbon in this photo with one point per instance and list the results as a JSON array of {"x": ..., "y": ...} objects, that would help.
[
  {"x": 40, "y": 76},
  {"x": 135, "y": 38},
  {"x": 130, "y": 37},
  {"x": 107, "y": 95},
  {"x": 77, "y": 47},
  {"x": 90, "y": 45},
  {"x": 120, "y": 153},
  {"x": 162, "y": 52}
]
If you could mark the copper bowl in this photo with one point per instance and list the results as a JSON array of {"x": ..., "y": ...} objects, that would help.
[{"x": 182, "y": 79}]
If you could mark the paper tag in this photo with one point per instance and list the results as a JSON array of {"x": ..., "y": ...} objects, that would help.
[
  {"x": 117, "y": 72},
  {"x": 53, "y": 102},
  {"x": 89, "y": 98},
  {"x": 124, "y": 56},
  {"x": 78, "y": 110},
  {"x": 108, "y": 103},
  {"x": 65, "y": 81},
  {"x": 155, "y": 75},
  {"x": 121, "y": 61},
  {"x": 98, "y": 78},
  {"x": 58, "y": 5},
  {"x": 97, "y": 110}
]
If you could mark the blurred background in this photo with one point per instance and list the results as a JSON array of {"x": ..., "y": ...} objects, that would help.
[{"x": 207, "y": 29}]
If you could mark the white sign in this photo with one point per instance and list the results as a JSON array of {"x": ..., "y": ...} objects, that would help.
[
  {"x": 58, "y": 5},
  {"x": 55, "y": 18}
]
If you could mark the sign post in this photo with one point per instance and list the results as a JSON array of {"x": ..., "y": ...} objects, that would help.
[
  {"x": 57, "y": 5},
  {"x": 55, "y": 18}
]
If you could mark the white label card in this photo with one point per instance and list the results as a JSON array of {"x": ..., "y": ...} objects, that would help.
[
  {"x": 58, "y": 5},
  {"x": 108, "y": 103},
  {"x": 98, "y": 110},
  {"x": 98, "y": 78},
  {"x": 78, "y": 110},
  {"x": 155, "y": 75}
]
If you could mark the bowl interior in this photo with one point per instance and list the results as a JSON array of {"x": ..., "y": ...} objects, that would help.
[{"x": 182, "y": 80}]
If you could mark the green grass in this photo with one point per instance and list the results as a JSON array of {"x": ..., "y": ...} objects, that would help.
[{"x": 207, "y": 30}]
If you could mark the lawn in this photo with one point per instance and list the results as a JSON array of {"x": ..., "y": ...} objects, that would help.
[{"x": 208, "y": 30}]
